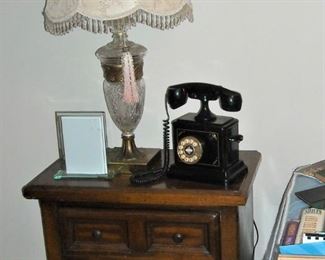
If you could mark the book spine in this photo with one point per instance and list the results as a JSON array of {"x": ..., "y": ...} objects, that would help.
[
  {"x": 312, "y": 220},
  {"x": 290, "y": 233}
]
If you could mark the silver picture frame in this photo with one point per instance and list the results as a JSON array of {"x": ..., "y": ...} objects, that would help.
[{"x": 82, "y": 143}]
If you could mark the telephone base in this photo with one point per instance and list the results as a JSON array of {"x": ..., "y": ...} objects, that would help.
[{"x": 207, "y": 174}]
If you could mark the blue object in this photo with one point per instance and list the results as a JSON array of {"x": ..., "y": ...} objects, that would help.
[{"x": 314, "y": 249}]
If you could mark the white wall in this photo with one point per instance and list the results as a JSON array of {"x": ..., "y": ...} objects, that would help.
[{"x": 270, "y": 51}]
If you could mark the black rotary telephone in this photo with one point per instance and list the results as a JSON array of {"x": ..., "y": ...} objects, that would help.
[{"x": 205, "y": 146}]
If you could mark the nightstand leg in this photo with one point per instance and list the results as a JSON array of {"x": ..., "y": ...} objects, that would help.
[
  {"x": 50, "y": 230},
  {"x": 229, "y": 233}
]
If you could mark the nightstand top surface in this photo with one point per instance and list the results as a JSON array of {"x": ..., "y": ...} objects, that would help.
[{"x": 167, "y": 192}]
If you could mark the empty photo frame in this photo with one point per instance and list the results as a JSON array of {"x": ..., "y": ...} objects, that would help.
[{"x": 82, "y": 144}]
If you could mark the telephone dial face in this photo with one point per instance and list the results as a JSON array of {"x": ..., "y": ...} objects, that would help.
[
  {"x": 196, "y": 147},
  {"x": 189, "y": 150}
]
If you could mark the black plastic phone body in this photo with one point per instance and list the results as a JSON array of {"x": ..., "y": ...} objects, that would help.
[{"x": 205, "y": 146}]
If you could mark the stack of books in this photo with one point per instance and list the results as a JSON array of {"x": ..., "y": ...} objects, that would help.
[{"x": 304, "y": 238}]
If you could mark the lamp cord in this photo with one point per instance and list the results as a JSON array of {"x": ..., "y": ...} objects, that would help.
[{"x": 257, "y": 239}]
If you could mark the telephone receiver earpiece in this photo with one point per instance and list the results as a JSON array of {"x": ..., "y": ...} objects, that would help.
[
  {"x": 177, "y": 96},
  {"x": 230, "y": 101}
]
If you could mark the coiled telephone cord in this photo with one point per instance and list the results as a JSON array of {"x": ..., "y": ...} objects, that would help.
[{"x": 147, "y": 177}]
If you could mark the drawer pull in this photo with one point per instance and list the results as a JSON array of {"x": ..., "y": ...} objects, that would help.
[
  {"x": 97, "y": 234},
  {"x": 178, "y": 238}
]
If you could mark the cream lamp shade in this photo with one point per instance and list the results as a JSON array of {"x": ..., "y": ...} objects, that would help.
[{"x": 98, "y": 16}]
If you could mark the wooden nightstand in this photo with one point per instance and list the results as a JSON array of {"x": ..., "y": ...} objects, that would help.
[{"x": 100, "y": 219}]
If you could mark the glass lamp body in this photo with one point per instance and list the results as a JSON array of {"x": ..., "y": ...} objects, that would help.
[{"x": 125, "y": 115}]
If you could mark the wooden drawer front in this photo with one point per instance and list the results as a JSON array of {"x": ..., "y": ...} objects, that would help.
[
  {"x": 93, "y": 231},
  {"x": 146, "y": 234},
  {"x": 173, "y": 235},
  {"x": 109, "y": 233},
  {"x": 190, "y": 234}
]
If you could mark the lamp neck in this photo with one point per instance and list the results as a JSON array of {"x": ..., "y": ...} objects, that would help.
[{"x": 120, "y": 38}]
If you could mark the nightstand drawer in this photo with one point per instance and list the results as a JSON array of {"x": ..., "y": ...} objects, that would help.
[
  {"x": 184, "y": 234},
  {"x": 151, "y": 234},
  {"x": 93, "y": 231},
  {"x": 108, "y": 233},
  {"x": 175, "y": 235}
]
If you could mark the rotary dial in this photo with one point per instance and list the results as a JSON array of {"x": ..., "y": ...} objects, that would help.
[{"x": 189, "y": 150}]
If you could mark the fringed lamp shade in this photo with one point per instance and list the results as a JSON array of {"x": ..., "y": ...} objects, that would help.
[{"x": 98, "y": 16}]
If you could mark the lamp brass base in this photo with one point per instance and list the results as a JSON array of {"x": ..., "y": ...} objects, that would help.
[
  {"x": 145, "y": 157},
  {"x": 130, "y": 157}
]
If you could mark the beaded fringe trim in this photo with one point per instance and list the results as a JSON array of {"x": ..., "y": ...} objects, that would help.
[{"x": 98, "y": 26}]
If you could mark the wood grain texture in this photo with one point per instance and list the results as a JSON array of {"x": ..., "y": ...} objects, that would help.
[
  {"x": 184, "y": 194},
  {"x": 100, "y": 219},
  {"x": 51, "y": 230}
]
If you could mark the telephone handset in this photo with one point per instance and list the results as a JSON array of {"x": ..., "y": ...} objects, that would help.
[
  {"x": 229, "y": 100},
  {"x": 205, "y": 146}
]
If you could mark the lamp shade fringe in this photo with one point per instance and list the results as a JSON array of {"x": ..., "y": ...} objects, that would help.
[{"x": 104, "y": 26}]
